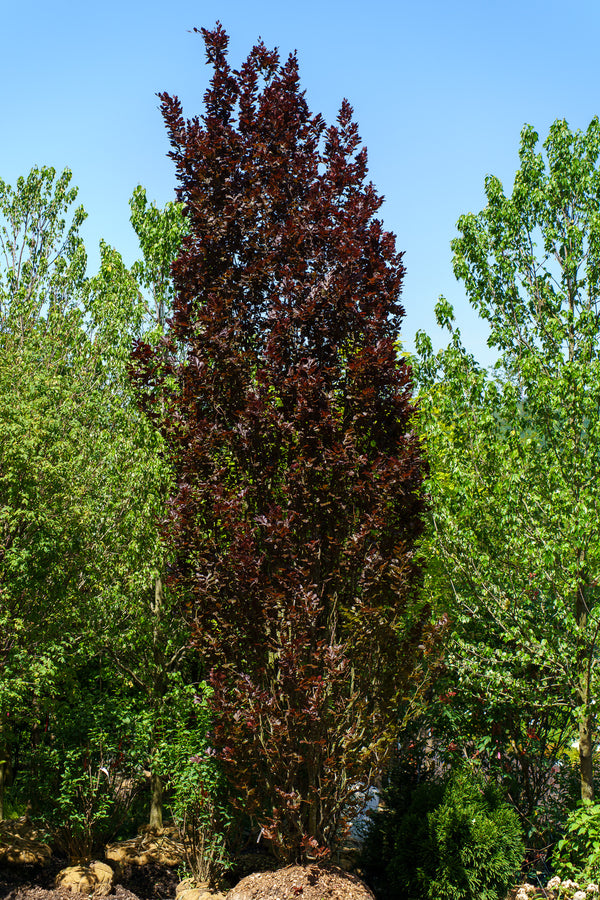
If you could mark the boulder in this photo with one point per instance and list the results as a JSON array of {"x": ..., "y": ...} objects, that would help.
[
  {"x": 188, "y": 884},
  {"x": 21, "y": 843},
  {"x": 199, "y": 890},
  {"x": 95, "y": 878},
  {"x": 163, "y": 847}
]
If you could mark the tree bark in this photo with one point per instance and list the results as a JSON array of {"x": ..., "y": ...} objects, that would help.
[
  {"x": 586, "y": 719},
  {"x": 156, "y": 698},
  {"x": 6, "y": 772},
  {"x": 585, "y": 757},
  {"x": 156, "y": 805},
  {"x": 2, "y": 782}
]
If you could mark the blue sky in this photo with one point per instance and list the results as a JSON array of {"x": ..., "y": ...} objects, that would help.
[{"x": 440, "y": 92}]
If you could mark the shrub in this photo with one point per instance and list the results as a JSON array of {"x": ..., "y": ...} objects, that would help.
[
  {"x": 478, "y": 840},
  {"x": 84, "y": 794},
  {"x": 196, "y": 788},
  {"x": 455, "y": 839},
  {"x": 82, "y": 772},
  {"x": 577, "y": 853}
]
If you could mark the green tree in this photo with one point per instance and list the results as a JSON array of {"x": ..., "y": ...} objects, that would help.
[
  {"x": 83, "y": 475},
  {"x": 514, "y": 481},
  {"x": 148, "y": 639},
  {"x": 41, "y": 286}
]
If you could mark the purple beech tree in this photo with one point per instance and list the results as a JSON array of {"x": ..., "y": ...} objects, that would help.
[{"x": 287, "y": 410}]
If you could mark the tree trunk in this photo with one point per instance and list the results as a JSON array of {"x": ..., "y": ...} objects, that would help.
[
  {"x": 2, "y": 781},
  {"x": 156, "y": 806},
  {"x": 6, "y": 772},
  {"x": 157, "y": 694},
  {"x": 586, "y": 719},
  {"x": 585, "y": 757}
]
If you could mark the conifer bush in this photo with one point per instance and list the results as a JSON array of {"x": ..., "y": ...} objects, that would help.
[{"x": 456, "y": 839}]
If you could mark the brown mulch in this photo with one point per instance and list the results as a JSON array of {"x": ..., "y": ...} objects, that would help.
[
  {"x": 29, "y": 882},
  {"x": 152, "y": 882},
  {"x": 312, "y": 882}
]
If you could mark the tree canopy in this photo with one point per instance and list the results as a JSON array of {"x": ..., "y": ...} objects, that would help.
[
  {"x": 287, "y": 411},
  {"x": 514, "y": 452}
]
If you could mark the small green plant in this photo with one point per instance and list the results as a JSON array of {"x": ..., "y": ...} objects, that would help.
[
  {"x": 195, "y": 786},
  {"x": 85, "y": 793},
  {"x": 577, "y": 853},
  {"x": 84, "y": 773}
]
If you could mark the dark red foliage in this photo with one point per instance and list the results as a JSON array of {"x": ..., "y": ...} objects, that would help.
[{"x": 289, "y": 419}]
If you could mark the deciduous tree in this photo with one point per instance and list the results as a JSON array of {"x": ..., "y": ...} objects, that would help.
[
  {"x": 83, "y": 475},
  {"x": 289, "y": 423},
  {"x": 515, "y": 502}
]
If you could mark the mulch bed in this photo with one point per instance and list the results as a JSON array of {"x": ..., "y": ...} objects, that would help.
[
  {"x": 29, "y": 882},
  {"x": 311, "y": 882},
  {"x": 154, "y": 882}
]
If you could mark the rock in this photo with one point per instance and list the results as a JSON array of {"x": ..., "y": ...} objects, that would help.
[
  {"x": 163, "y": 847},
  {"x": 188, "y": 890},
  {"x": 21, "y": 843},
  {"x": 188, "y": 883},
  {"x": 96, "y": 879}
]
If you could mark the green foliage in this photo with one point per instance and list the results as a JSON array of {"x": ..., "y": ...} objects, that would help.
[
  {"x": 514, "y": 542},
  {"x": 160, "y": 234},
  {"x": 83, "y": 770},
  {"x": 518, "y": 739},
  {"x": 577, "y": 853},
  {"x": 396, "y": 853},
  {"x": 197, "y": 790},
  {"x": 478, "y": 842},
  {"x": 42, "y": 257},
  {"x": 455, "y": 839},
  {"x": 83, "y": 477}
]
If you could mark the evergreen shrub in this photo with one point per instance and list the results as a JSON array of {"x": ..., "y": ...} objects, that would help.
[{"x": 451, "y": 839}]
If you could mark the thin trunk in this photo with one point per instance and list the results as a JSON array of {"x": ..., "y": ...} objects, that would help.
[
  {"x": 157, "y": 696},
  {"x": 156, "y": 804},
  {"x": 584, "y": 698},
  {"x": 6, "y": 772},
  {"x": 585, "y": 757},
  {"x": 2, "y": 782}
]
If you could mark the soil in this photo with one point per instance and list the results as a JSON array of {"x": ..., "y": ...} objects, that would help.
[
  {"x": 155, "y": 882},
  {"x": 146, "y": 868},
  {"x": 29, "y": 882}
]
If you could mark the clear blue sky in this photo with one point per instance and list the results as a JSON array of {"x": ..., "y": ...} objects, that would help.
[{"x": 440, "y": 92}]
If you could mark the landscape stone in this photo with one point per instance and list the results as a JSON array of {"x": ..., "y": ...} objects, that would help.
[
  {"x": 21, "y": 843},
  {"x": 95, "y": 878}
]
